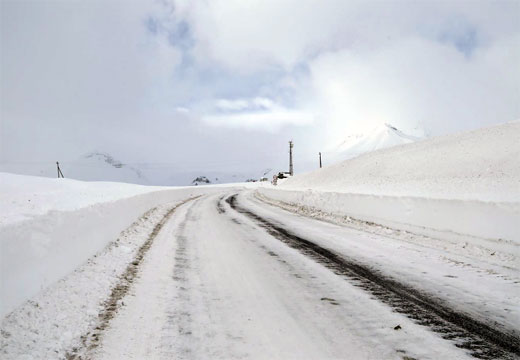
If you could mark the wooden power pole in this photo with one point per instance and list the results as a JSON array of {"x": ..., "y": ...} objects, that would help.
[
  {"x": 60, "y": 174},
  {"x": 291, "y": 169},
  {"x": 320, "y": 160}
]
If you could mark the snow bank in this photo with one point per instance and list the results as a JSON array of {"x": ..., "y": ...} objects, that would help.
[
  {"x": 49, "y": 227},
  {"x": 24, "y": 197},
  {"x": 465, "y": 183},
  {"x": 479, "y": 165},
  {"x": 53, "y": 322},
  {"x": 439, "y": 217}
]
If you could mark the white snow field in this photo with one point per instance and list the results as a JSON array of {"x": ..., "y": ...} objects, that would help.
[
  {"x": 466, "y": 183},
  {"x": 51, "y": 226},
  {"x": 25, "y": 197},
  {"x": 403, "y": 253},
  {"x": 478, "y": 165},
  {"x": 381, "y": 137}
]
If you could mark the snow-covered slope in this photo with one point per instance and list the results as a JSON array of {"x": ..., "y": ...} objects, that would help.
[
  {"x": 460, "y": 187},
  {"x": 102, "y": 166},
  {"x": 24, "y": 197},
  {"x": 381, "y": 137},
  {"x": 48, "y": 227},
  {"x": 478, "y": 165}
]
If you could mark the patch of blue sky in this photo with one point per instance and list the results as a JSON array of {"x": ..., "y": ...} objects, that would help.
[
  {"x": 463, "y": 37},
  {"x": 238, "y": 85},
  {"x": 152, "y": 24},
  {"x": 178, "y": 33},
  {"x": 454, "y": 31},
  {"x": 180, "y": 36}
]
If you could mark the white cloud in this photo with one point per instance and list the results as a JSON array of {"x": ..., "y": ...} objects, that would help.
[
  {"x": 267, "y": 121},
  {"x": 114, "y": 74},
  {"x": 257, "y": 113},
  {"x": 231, "y": 105},
  {"x": 257, "y": 103},
  {"x": 182, "y": 110},
  {"x": 257, "y": 34},
  {"x": 418, "y": 82},
  {"x": 444, "y": 66},
  {"x": 82, "y": 67},
  {"x": 264, "y": 103}
]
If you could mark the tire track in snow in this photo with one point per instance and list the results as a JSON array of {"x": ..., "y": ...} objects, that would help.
[
  {"x": 110, "y": 307},
  {"x": 179, "y": 316},
  {"x": 481, "y": 340}
]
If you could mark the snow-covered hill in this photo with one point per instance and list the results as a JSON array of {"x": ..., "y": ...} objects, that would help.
[
  {"x": 381, "y": 137},
  {"x": 479, "y": 165},
  {"x": 464, "y": 186},
  {"x": 102, "y": 166}
]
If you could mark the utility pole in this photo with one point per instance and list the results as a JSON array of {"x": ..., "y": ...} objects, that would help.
[
  {"x": 60, "y": 174},
  {"x": 320, "y": 160},
  {"x": 291, "y": 169}
]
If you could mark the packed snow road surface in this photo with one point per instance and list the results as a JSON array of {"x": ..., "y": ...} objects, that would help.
[{"x": 228, "y": 276}]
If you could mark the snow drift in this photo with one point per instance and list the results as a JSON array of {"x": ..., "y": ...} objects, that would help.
[
  {"x": 479, "y": 165},
  {"x": 51, "y": 226},
  {"x": 466, "y": 183}
]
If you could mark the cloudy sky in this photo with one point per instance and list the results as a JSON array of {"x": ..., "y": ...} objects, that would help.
[{"x": 225, "y": 84}]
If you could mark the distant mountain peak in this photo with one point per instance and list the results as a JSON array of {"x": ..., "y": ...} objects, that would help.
[
  {"x": 107, "y": 158},
  {"x": 381, "y": 137}
]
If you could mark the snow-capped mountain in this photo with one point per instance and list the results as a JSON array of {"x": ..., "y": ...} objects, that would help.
[
  {"x": 383, "y": 136},
  {"x": 101, "y": 166}
]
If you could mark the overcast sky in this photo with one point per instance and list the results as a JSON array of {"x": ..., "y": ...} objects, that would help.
[{"x": 225, "y": 84}]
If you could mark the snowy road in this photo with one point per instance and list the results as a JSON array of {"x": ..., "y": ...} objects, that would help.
[{"x": 231, "y": 277}]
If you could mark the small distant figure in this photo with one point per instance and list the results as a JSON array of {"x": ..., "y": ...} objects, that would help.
[{"x": 275, "y": 180}]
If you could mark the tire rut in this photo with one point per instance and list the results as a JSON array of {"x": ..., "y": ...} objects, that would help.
[
  {"x": 481, "y": 340},
  {"x": 111, "y": 306}
]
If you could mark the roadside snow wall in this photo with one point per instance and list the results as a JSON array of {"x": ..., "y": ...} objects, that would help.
[
  {"x": 444, "y": 218},
  {"x": 37, "y": 252}
]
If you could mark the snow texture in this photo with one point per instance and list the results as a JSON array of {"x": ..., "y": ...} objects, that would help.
[
  {"x": 233, "y": 291},
  {"x": 479, "y": 165},
  {"x": 381, "y": 137},
  {"x": 465, "y": 184},
  {"x": 439, "y": 215},
  {"x": 52, "y": 322},
  {"x": 52, "y": 226},
  {"x": 25, "y": 197}
]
